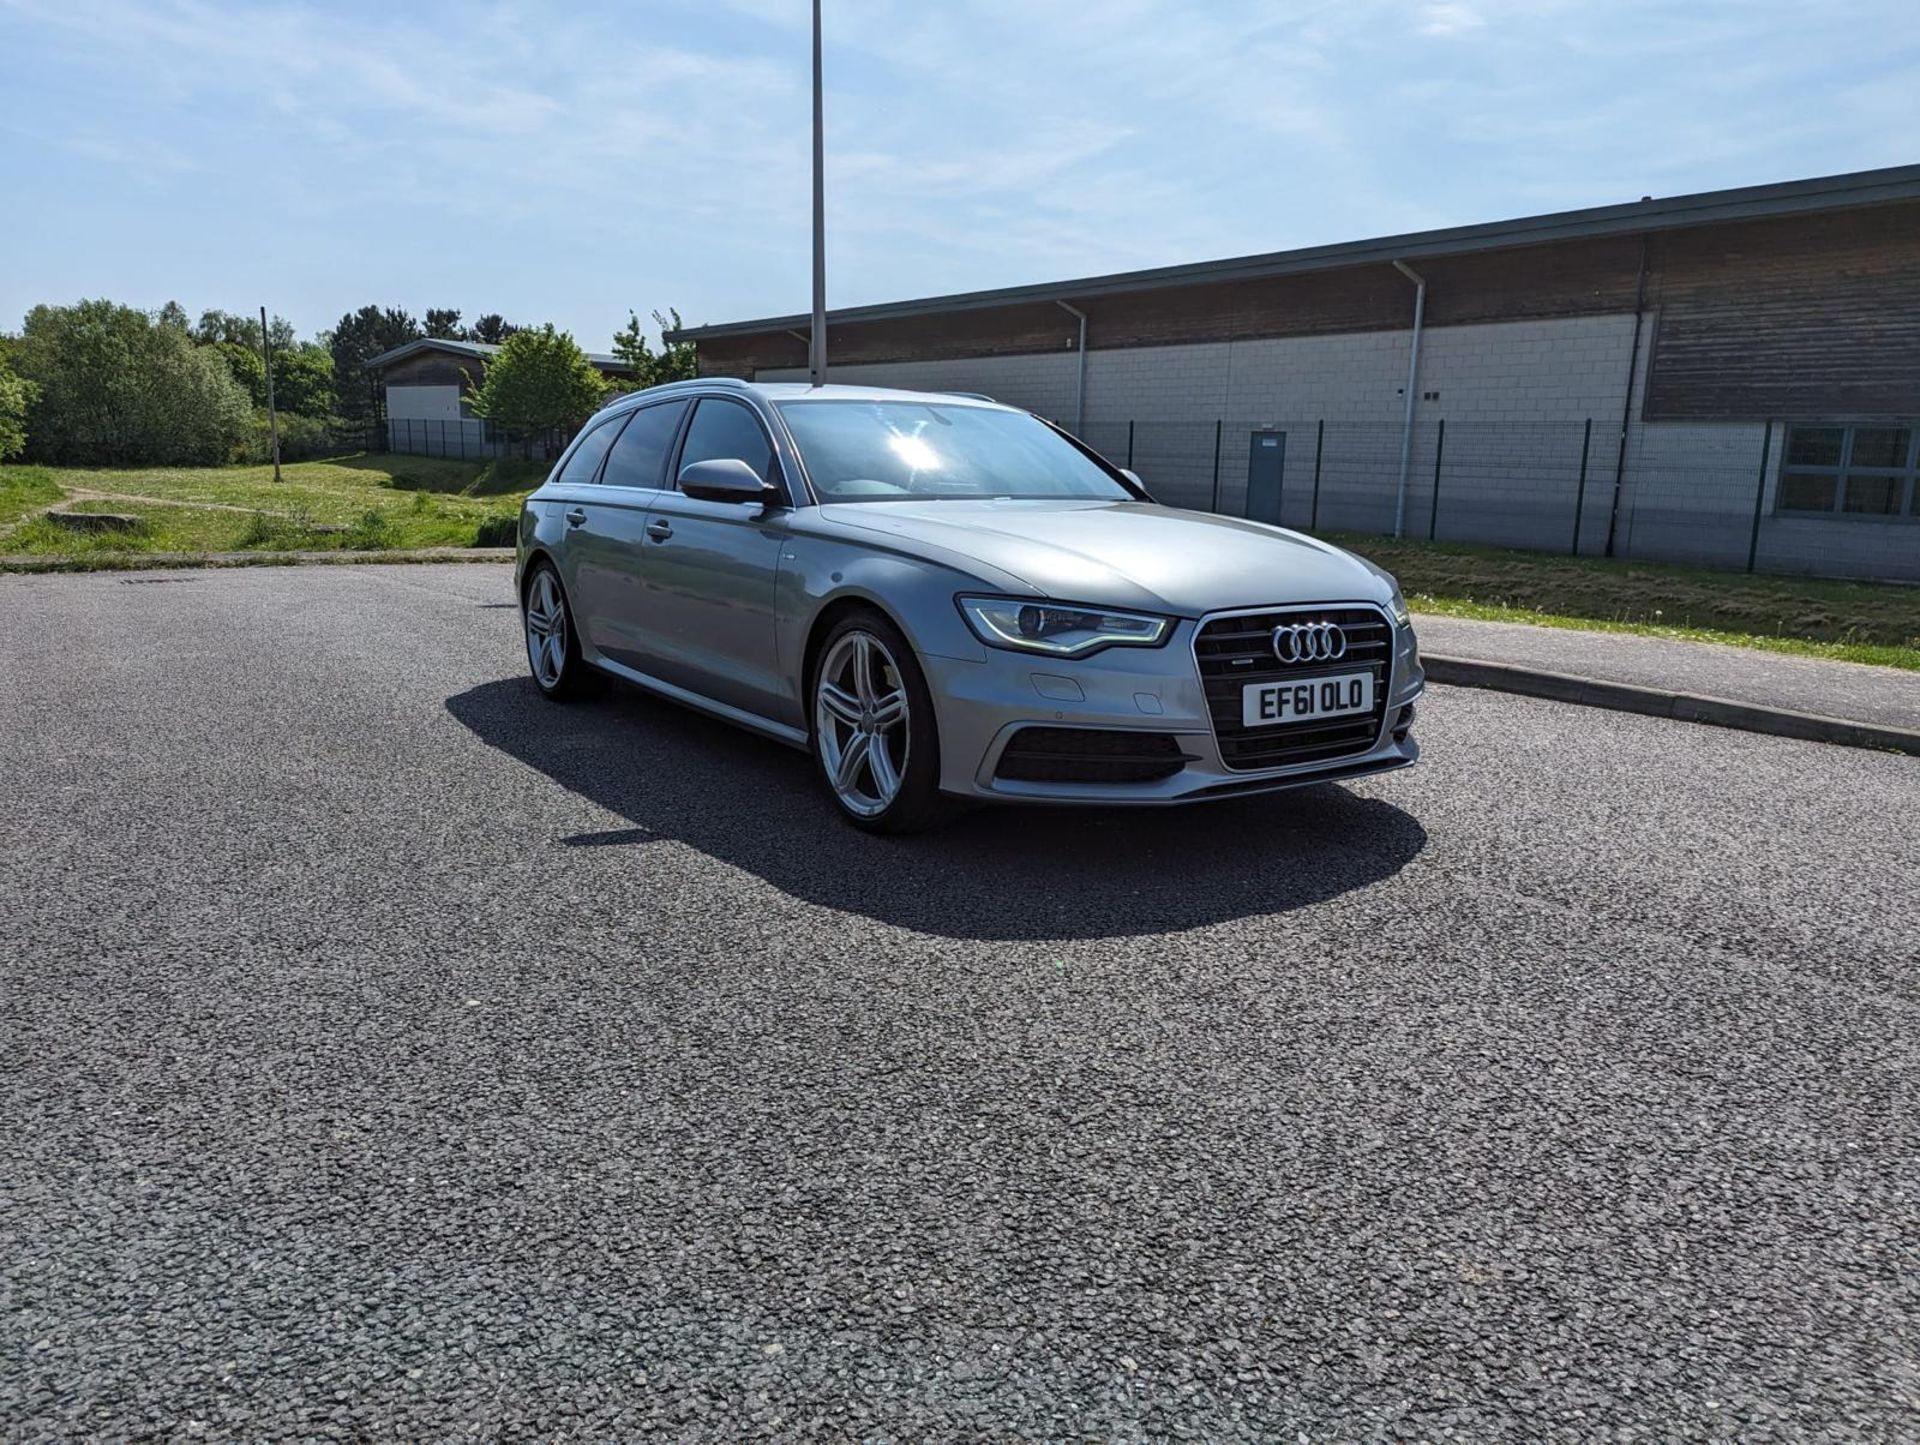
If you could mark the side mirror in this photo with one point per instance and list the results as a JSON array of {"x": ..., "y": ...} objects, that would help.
[
  {"x": 1131, "y": 475},
  {"x": 725, "y": 479}
]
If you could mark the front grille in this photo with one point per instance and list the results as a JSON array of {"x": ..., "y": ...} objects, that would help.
[
  {"x": 1234, "y": 651},
  {"x": 1089, "y": 755}
]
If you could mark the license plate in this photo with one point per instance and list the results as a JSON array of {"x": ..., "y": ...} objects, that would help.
[{"x": 1268, "y": 704}]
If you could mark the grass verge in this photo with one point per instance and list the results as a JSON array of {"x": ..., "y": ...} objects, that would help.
[
  {"x": 357, "y": 503},
  {"x": 1871, "y": 622},
  {"x": 24, "y": 488}
]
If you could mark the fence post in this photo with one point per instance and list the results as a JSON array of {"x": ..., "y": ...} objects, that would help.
[
  {"x": 1760, "y": 495},
  {"x": 1580, "y": 496},
  {"x": 1129, "y": 444},
  {"x": 1439, "y": 448},
  {"x": 1319, "y": 443},
  {"x": 1217, "y": 427}
]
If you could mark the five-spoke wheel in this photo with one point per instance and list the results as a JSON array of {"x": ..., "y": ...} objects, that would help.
[
  {"x": 552, "y": 653},
  {"x": 861, "y": 710},
  {"x": 873, "y": 727}
]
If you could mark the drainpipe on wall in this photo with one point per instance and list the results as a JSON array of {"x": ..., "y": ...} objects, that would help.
[
  {"x": 1080, "y": 381},
  {"x": 1626, "y": 407},
  {"x": 1413, "y": 377}
]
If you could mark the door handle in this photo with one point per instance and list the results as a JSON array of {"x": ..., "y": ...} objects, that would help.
[
  {"x": 660, "y": 530},
  {"x": 576, "y": 516}
]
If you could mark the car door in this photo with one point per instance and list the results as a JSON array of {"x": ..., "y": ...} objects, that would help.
[
  {"x": 575, "y": 497},
  {"x": 609, "y": 546},
  {"x": 709, "y": 570}
]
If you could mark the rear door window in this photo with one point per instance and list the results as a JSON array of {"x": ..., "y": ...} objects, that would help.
[
  {"x": 586, "y": 457},
  {"x": 639, "y": 457}
]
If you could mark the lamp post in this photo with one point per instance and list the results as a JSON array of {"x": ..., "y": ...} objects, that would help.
[
  {"x": 273, "y": 418},
  {"x": 817, "y": 337}
]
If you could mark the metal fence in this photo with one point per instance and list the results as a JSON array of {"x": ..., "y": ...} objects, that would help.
[
  {"x": 1702, "y": 495},
  {"x": 473, "y": 439}
]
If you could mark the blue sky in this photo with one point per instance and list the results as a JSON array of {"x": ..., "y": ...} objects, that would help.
[{"x": 566, "y": 162}]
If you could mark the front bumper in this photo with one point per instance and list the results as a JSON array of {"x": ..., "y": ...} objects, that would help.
[{"x": 983, "y": 704}]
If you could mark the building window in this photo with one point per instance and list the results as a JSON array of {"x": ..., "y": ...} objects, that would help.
[{"x": 1855, "y": 471}]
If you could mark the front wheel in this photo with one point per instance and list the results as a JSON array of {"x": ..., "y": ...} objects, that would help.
[{"x": 873, "y": 728}]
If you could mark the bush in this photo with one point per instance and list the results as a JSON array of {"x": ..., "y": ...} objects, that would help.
[
  {"x": 117, "y": 388},
  {"x": 17, "y": 396},
  {"x": 302, "y": 439}
]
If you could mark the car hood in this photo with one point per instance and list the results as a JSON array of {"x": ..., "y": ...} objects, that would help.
[{"x": 1124, "y": 554}]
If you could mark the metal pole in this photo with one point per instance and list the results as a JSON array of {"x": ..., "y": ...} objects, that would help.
[
  {"x": 273, "y": 419},
  {"x": 1580, "y": 496},
  {"x": 1217, "y": 426},
  {"x": 1129, "y": 444},
  {"x": 1626, "y": 406},
  {"x": 1760, "y": 495},
  {"x": 817, "y": 340},
  {"x": 1439, "y": 449},
  {"x": 1413, "y": 377},
  {"x": 1319, "y": 445},
  {"x": 1080, "y": 381}
]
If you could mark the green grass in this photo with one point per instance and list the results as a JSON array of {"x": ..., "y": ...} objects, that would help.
[
  {"x": 358, "y": 503},
  {"x": 24, "y": 488},
  {"x": 1849, "y": 621}
]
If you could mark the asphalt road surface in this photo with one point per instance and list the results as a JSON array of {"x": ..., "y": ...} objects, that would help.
[{"x": 385, "y": 1052}]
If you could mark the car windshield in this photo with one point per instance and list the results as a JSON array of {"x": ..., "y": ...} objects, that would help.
[{"x": 882, "y": 451}]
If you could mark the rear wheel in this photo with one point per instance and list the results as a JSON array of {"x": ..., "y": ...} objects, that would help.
[
  {"x": 873, "y": 728},
  {"x": 553, "y": 648}
]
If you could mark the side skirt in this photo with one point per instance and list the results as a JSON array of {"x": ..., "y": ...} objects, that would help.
[{"x": 781, "y": 733}]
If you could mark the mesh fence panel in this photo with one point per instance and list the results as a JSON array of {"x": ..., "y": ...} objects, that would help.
[{"x": 1699, "y": 495}]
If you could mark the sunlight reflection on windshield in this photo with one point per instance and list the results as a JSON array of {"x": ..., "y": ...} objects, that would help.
[{"x": 915, "y": 452}]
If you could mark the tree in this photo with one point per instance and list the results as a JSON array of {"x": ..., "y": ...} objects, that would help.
[
  {"x": 119, "y": 387},
  {"x": 539, "y": 381},
  {"x": 246, "y": 366},
  {"x": 17, "y": 396},
  {"x": 226, "y": 327},
  {"x": 675, "y": 361},
  {"x": 303, "y": 380},
  {"x": 360, "y": 336},
  {"x": 493, "y": 329},
  {"x": 445, "y": 325}
]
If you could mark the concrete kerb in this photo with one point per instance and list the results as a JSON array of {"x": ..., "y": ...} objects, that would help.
[{"x": 1659, "y": 702}]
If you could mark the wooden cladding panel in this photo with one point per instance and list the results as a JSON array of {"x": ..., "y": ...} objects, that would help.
[
  {"x": 1813, "y": 317},
  {"x": 435, "y": 368},
  {"x": 1534, "y": 282}
]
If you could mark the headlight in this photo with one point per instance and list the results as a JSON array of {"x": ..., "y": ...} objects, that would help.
[
  {"x": 1401, "y": 615},
  {"x": 1059, "y": 629}
]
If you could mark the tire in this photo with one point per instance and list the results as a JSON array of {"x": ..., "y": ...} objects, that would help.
[
  {"x": 849, "y": 719},
  {"x": 553, "y": 643}
]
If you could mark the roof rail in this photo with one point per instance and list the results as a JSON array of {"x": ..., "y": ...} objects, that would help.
[
  {"x": 732, "y": 383},
  {"x": 975, "y": 396}
]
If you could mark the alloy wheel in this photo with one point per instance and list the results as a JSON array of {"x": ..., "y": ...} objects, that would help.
[
  {"x": 860, "y": 716},
  {"x": 546, "y": 630}
]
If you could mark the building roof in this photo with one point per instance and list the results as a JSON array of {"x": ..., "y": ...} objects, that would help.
[
  {"x": 479, "y": 349},
  {"x": 1744, "y": 203}
]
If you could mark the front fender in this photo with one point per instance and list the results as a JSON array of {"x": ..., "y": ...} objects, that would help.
[{"x": 819, "y": 571}]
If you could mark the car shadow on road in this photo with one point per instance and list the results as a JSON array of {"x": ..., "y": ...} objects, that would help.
[{"x": 995, "y": 873}]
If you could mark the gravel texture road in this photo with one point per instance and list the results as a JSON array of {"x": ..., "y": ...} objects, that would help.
[{"x": 386, "y": 1053}]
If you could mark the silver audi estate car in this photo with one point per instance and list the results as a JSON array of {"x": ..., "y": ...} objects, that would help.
[{"x": 943, "y": 598}]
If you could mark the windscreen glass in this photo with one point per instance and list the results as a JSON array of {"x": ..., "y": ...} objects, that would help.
[{"x": 879, "y": 451}]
